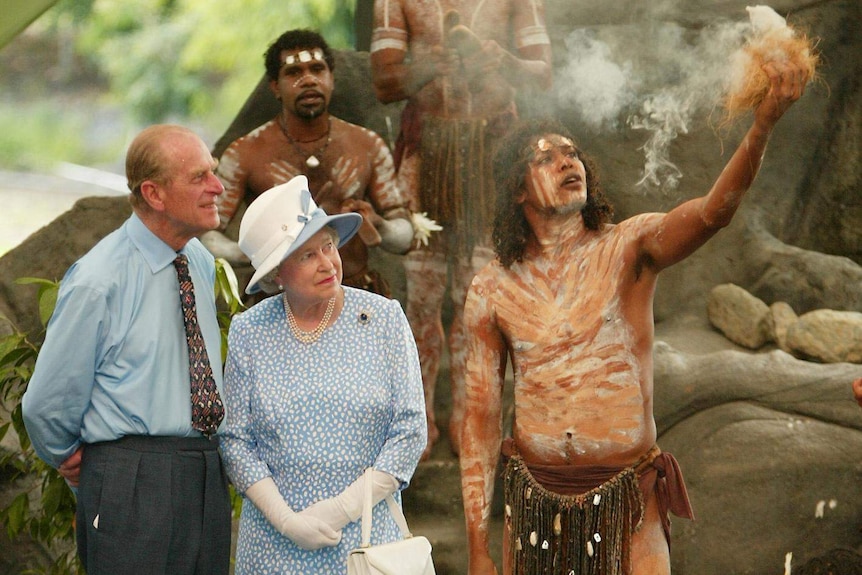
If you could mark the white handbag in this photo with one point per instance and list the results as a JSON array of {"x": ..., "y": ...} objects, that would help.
[{"x": 410, "y": 556}]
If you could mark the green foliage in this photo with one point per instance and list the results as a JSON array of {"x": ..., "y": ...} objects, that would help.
[
  {"x": 227, "y": 290},
  {"x": 46, "y": 511},
  {"x": 187, "y": 61},
  {"x": 192, "y": 58},
  {"x": 33, "y": 143}
]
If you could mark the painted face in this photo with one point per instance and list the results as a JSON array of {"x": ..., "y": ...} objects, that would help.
[
  {"x": 189, "y": 198},
  {"x": 305, "y": 82},
  {"x": 556, "y": 176},
  {"x": 313, "y": 271}
]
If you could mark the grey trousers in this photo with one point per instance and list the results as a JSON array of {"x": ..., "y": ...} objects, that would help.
[{"x": 154, "y": 506}]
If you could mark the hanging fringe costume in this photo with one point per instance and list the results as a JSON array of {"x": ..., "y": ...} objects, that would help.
[
  {"x": 456, "y": 184},
  {"x": 579, "y": 520}
]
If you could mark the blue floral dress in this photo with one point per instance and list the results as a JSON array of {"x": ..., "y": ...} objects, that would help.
[{"x": 314, "y": 416}]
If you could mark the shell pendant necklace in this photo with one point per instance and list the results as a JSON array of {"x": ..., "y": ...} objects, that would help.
[
  {"x": 312, "y": 161},
  {"x": 307, "y": 336}
]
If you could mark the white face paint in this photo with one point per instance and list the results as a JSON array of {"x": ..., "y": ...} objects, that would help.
[
  {"x": 303, "y": 56},
  {"x": 556, "y": 177}
]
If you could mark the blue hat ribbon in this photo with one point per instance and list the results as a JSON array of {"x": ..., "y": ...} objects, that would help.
[{"x": 306, "y": 203}]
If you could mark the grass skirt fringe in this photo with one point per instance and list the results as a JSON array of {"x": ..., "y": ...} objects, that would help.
[{"x": 586, "y": 534}]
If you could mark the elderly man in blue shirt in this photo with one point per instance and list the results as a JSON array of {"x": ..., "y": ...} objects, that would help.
[{"x": 125, "y": 399}]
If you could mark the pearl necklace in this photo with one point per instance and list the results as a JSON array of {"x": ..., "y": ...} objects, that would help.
[
  {"x": 308, "y": 336},
  {"x": 311, "y": 161}
]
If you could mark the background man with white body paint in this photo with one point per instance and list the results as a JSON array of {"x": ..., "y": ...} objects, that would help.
[
  {"x": 349, "y": 167},
  {"x": 459, "y": 65},
  {"x": 570, "y": 301}
]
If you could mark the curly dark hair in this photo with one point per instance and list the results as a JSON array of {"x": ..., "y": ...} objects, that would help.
[
  {"x": 511, "y": 229},
  {"x": 295, "y": 40}
]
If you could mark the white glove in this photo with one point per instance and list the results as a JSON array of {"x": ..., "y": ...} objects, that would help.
[
  {"x": 306, "y": 531},
  {"x": 346, "y": 507}
]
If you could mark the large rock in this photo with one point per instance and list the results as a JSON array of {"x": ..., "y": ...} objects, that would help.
[
  {"x": 49, "y": 252},
  {"x": 770, "y": 448},
  {"x": 827, "y": 335},
  {"x": 741, "y": 317}
]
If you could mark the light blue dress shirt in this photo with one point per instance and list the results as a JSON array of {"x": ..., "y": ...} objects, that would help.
[{"x": 115, "y": 360}]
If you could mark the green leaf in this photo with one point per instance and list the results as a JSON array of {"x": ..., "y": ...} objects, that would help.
[
  {"x": 38, "y": 281},
  {"x": 18, "y": 424},
  {"x": 17, "y": 515},
  {"x": 227, "y": 285},
  {"x": 53, "y": 490},
  {"x": 47, "y": 301}
]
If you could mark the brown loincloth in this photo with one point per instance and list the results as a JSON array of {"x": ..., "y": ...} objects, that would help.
[{"x": 580, "y": 519}]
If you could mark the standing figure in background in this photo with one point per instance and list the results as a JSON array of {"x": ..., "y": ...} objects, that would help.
[
  {"x": 569, "y": 300},
  {"x": 458, "y": 64},
  {"x": 322, "y": 382},
  {"x": 126, "y": 396},
  {"x": 349, "y": 167}
]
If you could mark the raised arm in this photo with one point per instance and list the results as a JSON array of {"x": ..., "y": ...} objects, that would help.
[
  {"x": 688, "y": 226},
  {"x": 403, "y": 63},
  {"x": 481, "y": 433}
]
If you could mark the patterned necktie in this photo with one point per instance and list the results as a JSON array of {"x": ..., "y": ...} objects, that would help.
[{"x": 207, "y": 407}]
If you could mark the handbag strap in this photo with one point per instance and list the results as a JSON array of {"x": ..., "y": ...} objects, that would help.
[{"x": 394, "y": 509}]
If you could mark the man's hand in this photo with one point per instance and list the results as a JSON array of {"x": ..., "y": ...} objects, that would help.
[
  {"x": 481, "y": 66},
  {"x": 441, "y": 61},
  {"x": 364, "y": 209},
  {"x": 370, "y": 220},
  {"x": 71, "y": 468},
  {"x": 857, "y": 391},
  {"x": 221, "y": 246},
  {"x": 787, "y": 82}
]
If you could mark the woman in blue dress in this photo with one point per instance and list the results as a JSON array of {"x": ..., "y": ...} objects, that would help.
[{"x": 322, "y": 381}]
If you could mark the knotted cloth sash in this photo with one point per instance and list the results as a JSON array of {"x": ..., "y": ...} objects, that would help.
[{"x": 579, "y": 519}]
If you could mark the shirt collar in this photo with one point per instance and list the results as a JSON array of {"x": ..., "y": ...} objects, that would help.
[{"x": 156, "y": 253}]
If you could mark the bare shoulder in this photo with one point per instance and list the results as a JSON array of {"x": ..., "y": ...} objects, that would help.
[
  {"x": 639, "y": 225},
  {"x": 342, "y": 130},
  {"x": 258, "y": 139},
  {"x": 488, "y": 281}
]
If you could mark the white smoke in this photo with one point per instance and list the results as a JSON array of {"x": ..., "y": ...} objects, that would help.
[
  {"x": 655, "y": 77},
  {"x": 592, "y": 82}
]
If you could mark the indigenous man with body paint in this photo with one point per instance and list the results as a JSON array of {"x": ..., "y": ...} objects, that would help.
[
  {"x": 348, "y": 166},
  {"x": 569, "y": 301},
  {"x": 458, "y": 63}
]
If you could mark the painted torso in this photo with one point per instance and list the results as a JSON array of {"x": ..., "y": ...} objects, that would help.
[
  {"x": 354, "y": 164},
  {"x": 579, "y": 331},
  {"x": 423, "y": 21}
]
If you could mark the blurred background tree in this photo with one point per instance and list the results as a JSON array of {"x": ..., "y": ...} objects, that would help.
[{"x": 87, "y": 74}]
